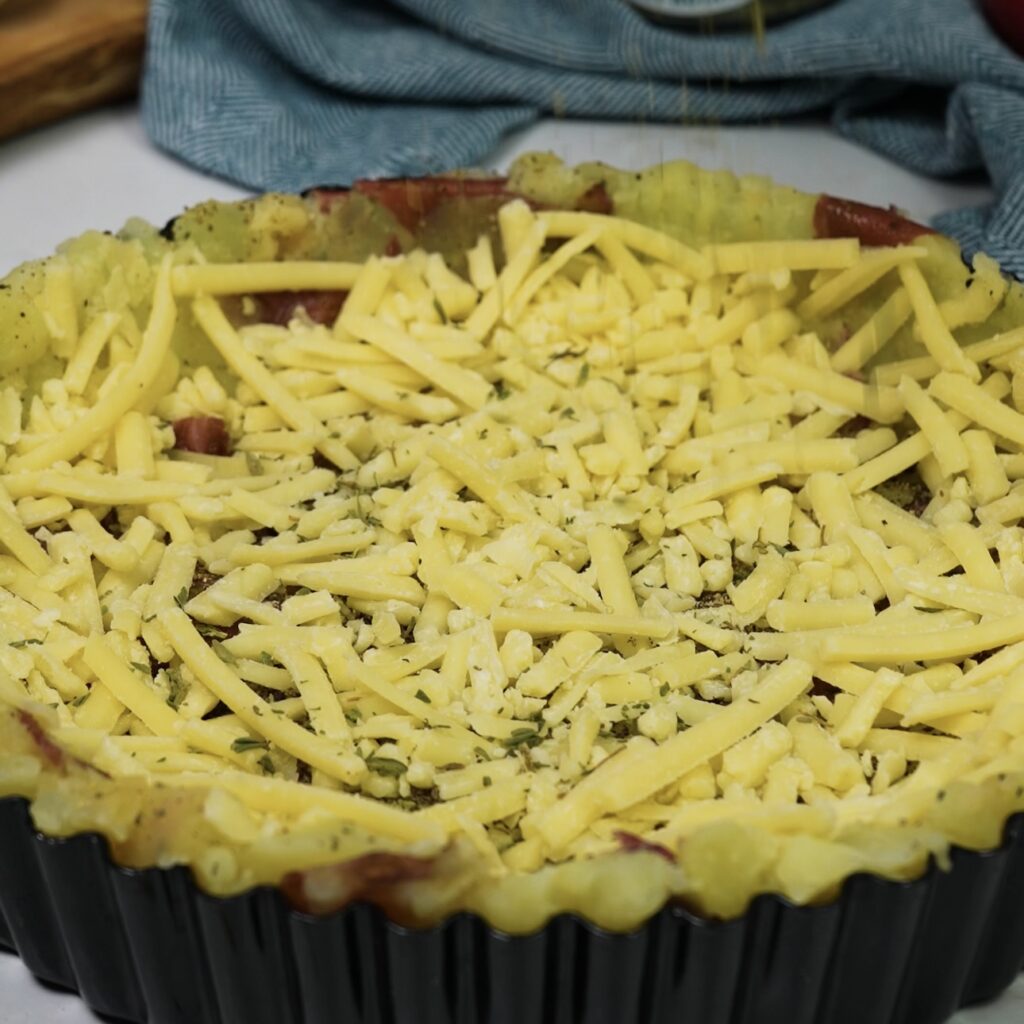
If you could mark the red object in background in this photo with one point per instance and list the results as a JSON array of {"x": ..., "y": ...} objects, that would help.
[
  {"x": 411, "y": 199},
  {"x": 843, "y": 218},
  {"x": 1007, "y": 18},
  {"x": 322, "y": 307}
]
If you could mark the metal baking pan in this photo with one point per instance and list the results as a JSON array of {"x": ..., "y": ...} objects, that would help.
[{"x": 150, "y": 946}]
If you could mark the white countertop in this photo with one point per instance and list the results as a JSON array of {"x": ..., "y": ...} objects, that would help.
[{"x": 97, "y": 170}]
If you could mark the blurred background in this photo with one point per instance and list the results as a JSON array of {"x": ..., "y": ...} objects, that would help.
[{"x": 110, "y": 108}]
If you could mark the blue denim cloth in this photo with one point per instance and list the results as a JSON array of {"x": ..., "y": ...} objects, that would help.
[{"x": 284, "y": 94}]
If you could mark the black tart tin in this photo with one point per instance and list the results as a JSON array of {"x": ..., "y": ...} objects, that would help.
[{"x": 149, "y": 946}]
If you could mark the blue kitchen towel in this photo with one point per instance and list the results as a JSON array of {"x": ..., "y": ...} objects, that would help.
[{"x": 284, "y": 94}]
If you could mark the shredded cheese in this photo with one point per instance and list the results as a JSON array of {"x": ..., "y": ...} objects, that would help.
[{"x": 530, "y": 558}]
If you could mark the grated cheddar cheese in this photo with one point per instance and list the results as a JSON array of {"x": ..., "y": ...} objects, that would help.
[{"x": 599, "y": 539}]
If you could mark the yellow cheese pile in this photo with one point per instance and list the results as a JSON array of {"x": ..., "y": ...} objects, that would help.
[{"x": 593, "y": 543}]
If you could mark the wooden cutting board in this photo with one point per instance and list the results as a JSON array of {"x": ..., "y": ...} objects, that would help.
[{"x": 61, "y": 56}]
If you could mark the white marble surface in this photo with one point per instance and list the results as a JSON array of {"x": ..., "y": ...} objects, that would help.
[{"x": 97, "y": 170}]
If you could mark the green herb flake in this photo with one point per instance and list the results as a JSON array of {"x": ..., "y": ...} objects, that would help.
[
  {"x": 244, "y": 744},
  {"x": 522, "y": 738},
  {"x": 487, "y": 781},
  {"x": 264, "y": 658},
  {"x": 501, "y": 390},
  {"x": 176, "y": 688},
  {"x": 211, "y": 632},
  {"x": 583, "y": 375},
  {"x": 420, "y": 695},
  {"x": 266, "y": 764},
  {"x": 181, "y": 598},
  {"x": 565, "y": 353},
  {"x": 18, "y": 644},
  {"x": 223, "y": 653},
  {"x": 567, "y": 414},
  {"x": 440, "y": 310},
  {"x": 385, "y": 766}
]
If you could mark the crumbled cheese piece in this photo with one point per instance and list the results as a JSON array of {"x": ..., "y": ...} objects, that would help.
[{"x": 522, "y": 545}]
